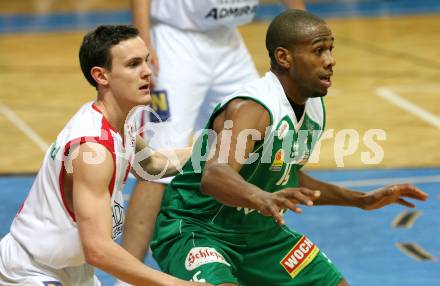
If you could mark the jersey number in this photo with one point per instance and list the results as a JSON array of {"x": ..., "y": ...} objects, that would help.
[{"x": 286, "y": 175}]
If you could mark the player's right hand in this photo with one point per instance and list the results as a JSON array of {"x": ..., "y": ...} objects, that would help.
[{"x": 273, "y": 204}]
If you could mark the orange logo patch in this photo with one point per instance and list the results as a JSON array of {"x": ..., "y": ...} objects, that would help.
[{"x": 278, "y": 161}]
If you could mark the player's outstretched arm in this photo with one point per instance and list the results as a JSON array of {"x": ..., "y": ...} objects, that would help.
[
  {"x": 93, "y": 168},
  {"x": 337, "y": 195},
  {"x": 155, "y": 164},
  {"x": 394, "y": 194},
  {"x": 221, "y": 178}
]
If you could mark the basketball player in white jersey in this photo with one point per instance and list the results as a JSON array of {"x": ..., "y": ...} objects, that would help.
[
  {"x": 74, "y": 209},
  {"x": 199, "y": 58}
]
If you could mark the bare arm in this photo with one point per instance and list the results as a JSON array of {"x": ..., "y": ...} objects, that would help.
[
  {"x": 294, "y": 4},
  {"x": 340, "y": 196},
  {"x": 143, "y": 207},
  {"x": 155, "y": 164},
  {"x": 140, "y": 10},
  {"x": 92, "y": 207},
  {"x": 221, "y": 179},
  {"x": 331, "y": 194}
]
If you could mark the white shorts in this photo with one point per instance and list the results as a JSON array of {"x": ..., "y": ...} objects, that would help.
[
  {"x": 18, "y": 268},
  {"x": 197, "y": 71}
]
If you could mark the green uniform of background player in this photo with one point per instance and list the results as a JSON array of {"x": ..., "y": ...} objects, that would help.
[{"x": 221, "y": 221}]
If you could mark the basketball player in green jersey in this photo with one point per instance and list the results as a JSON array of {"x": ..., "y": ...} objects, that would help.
[{"x": 221, "y": 220}]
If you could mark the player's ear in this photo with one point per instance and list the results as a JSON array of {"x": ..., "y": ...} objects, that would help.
[
  {"x": 283, "y": 57},
  {"x": 99, "y": 75}
]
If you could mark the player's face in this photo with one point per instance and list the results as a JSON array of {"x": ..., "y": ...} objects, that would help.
[
  {"x": 313, "y": 62},
  {"x": 129, "y": 77}
]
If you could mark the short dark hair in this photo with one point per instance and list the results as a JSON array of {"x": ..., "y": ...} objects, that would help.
[
  {"x": 96, "y": 45},
  {"x": 287, "y": 29}
]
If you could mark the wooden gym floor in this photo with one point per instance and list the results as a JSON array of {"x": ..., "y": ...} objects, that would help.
[{"x": 386, "y": 77}]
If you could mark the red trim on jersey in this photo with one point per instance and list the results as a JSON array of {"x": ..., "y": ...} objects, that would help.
[
  {"x": 20, "y": 208},
  {"x": 72, "y": 215},
  {"x": 107, "y": 124},
  {"x": 106, "y": 139},
  {"x": 142, "y": 124},
  {"x": 127, "y": 172}
]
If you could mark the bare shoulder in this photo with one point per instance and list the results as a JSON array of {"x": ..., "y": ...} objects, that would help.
[
  {"x": 91, "y": 160},
  {"x": 245, "y": 113},
  {"x": 248, "y": 106}
]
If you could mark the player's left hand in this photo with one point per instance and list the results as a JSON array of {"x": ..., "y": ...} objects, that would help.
[{"x": 394, "y": 194}]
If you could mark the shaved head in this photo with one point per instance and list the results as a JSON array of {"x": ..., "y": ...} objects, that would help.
[{"x": 288, "y": 29}]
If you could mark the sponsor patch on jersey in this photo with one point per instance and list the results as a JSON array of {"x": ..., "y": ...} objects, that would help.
[
  {"x": 54, "y": 150},
  {"x": 231, "y": 12},
  {"x": 283, "y": 129},
  {"x": 52, "y": 283},
  {"x": 117, "y": 219},
  {"x": 131, "y": 134},
  {"x": 278, "y": 161},
  {"x": 160, "y": 106},
  {"x": 198, "y": 256},
  {"x": 299, "y": 256}
]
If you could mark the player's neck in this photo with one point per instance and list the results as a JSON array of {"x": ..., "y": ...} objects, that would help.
[
  {"x": 113, "y": 114},
  {"x": 290, "y": 89},
  {"x": 297, "y": 108}
]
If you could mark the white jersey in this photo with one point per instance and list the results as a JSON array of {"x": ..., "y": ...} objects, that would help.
[
  {"x": 203, "y": 15},
  {"x": 269, "y": 92},
  {"x": 45, "y": 227}
]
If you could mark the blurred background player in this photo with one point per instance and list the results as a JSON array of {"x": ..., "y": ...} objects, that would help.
[
  {"x": 74, "y": 209},
  {"x": 198, "y": 59}
]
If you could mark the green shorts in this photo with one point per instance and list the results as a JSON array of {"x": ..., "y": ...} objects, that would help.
[{"x": 277, "y": 256}]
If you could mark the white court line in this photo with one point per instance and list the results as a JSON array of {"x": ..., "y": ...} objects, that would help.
[
  {"x": 389, "y": 181},
  {"x": 26, "y": 129},
  {"x": 421, "y": 113},
  {"x": 427, "y": 88}
]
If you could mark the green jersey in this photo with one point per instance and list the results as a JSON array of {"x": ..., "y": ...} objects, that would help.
[
  {"x": 198, "y": 238},
  {"x": 272, "y": 165}
]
